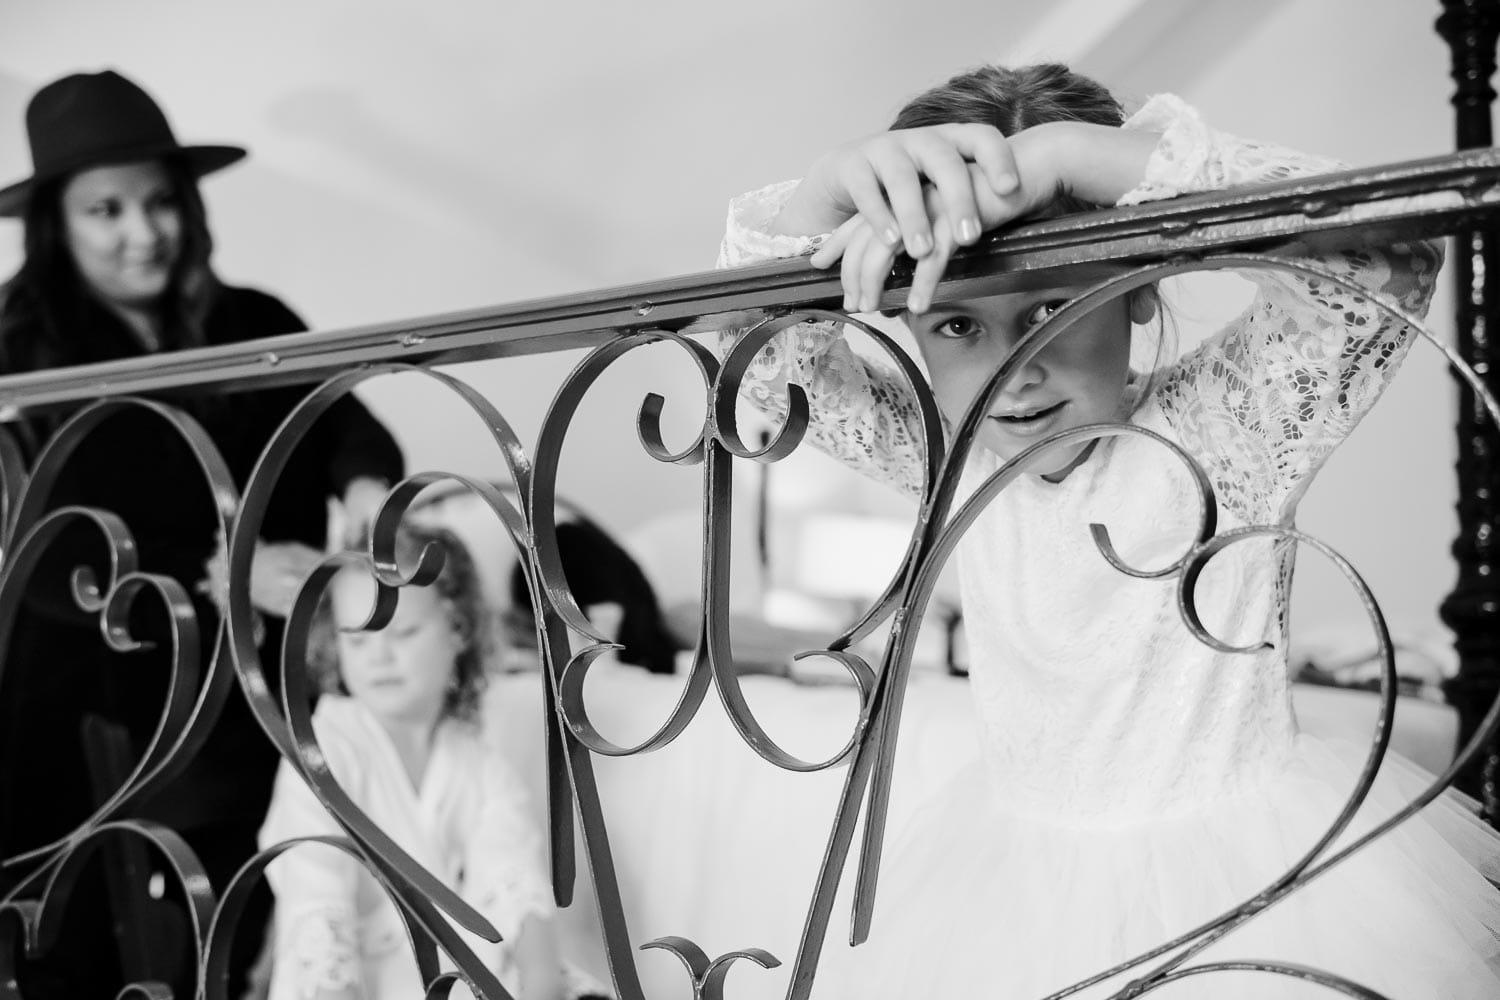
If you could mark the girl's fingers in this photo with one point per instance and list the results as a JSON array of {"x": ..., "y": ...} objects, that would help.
[
  {"x": 865, "y": 190},
  {"x": 943, "y": 164},
  {"x": 872, "y": 270},
  {"x": 901, "y": 179},
  {"x": 986, "y": 147},
  {"x": 853, "y": 260},
  {"x": 838, "y": 241},
  {"x": 929, "y": 270}
]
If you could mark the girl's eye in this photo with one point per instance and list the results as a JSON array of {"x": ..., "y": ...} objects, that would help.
[
  {"x": 103, "y": 209},
  {"x": 957, "y": 328},
  {"x": 1043, "y": 310}
]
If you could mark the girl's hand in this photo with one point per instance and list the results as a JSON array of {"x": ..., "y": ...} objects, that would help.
[
  {"x": 885, "y": 179},
  {"x": 1094, "y": 163},
  {"x": 867, "y": 260}
]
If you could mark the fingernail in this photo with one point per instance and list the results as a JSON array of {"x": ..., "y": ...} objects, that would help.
[
  {"x": 916, "y": 303},
  {"x": 891, "y": 235},
  {"x": 870, "y": 303},
  {"x": 848, "y": 303},
  {"x": 920, "y": 244},
  {"x": 968, "y": 231}
]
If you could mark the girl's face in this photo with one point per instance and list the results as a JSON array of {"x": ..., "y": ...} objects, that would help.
[
  {"x": 403, "y": 672},
  {"x": 1079, "y": 378},
  {"x": 124, "y": 230}
]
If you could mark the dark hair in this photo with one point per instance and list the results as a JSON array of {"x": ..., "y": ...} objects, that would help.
[
  {"x": 1013, "y": 100},
  {"x": 45, "y": 303},
  {"x": 459, "y": 590},
  {"x": 598, "y": 571}
]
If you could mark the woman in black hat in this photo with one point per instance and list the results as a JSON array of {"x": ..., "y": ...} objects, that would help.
[{"x": 117, "y": 252}]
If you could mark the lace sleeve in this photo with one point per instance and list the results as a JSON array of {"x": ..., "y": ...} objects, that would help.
[
  {"x": 504, "y": 872},
  {"x": 862, "y": 413},
  {"x": 1265, "y": 401},
  {"x": 317, "y": 930}
]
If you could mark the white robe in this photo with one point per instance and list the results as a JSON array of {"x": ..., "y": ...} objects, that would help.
[{"x": 468, "y": 824}]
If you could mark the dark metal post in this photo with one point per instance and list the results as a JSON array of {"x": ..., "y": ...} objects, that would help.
[{"x": 1472, "y": 610}]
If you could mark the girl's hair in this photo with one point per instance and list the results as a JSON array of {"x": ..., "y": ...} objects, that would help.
[
  {"x": 457, "y": 589},
  {"x": 44, "y": 306},
  {"x": 599, "y": 571}
]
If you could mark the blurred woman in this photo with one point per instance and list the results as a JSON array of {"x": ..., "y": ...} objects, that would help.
[{"x": 117, "y": 266}]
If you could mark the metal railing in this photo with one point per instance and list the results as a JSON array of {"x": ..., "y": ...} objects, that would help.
[{"x": 1117, "y": 248}]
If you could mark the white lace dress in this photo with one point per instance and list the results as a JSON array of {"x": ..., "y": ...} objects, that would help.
[
  {"x": 468, "y": 824},
  {"x": 1135, "y": 783}
]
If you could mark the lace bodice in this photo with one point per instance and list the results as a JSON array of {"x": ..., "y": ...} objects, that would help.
[
  {"x": 468, "y": 824},
  {"x": 1094, "y": 699}
]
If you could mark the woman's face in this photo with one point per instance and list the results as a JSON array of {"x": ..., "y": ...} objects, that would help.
[
  {"x": 1079, "y": 378},
  {"x": 123, "y": 226},
  {"x": 403, "y": 672}
]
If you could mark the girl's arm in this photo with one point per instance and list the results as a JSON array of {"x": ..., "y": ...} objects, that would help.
[
  {"x": 505, "y": 879},
  {"x": 1265, "y": 401},
  {"x": 316, "y": 946},
  {"x": 862, "y": 412}
]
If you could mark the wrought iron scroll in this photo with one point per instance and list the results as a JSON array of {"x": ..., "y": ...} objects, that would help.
[
  {"x": 31, "y": 910},
  {"x": 1206, "y": 232}
]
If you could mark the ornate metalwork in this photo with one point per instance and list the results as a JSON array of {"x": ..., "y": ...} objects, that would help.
[{"x": 1120, "y": 249}]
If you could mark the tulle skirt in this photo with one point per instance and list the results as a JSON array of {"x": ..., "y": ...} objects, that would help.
[{"x": 975, "y": 901}]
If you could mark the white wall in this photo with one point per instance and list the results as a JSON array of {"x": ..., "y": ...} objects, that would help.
[{"x": 409, "y": 159}]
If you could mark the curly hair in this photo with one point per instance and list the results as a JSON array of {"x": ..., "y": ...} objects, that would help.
[{"x": 457, "y": 588}]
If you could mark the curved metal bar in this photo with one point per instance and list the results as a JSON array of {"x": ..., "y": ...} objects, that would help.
[
  {"x": 1300, "y": 872},
  {"x": 155, "y": 766},
  {"x": 732, "y": 372},
  {"x": 542, "y": 500},
  {"x": 1317, "y": 977},
  {"x": 738, "y": 363},
  {"x": 17, "y": 937},
  {"x": 424, "y": 935},
  {"x": 550, "y": 592},
  {"x": 708, "y": 976},
  {"x": 715, "y": 640},
  {"x": 181, "y": 861},
  {"x": 180, "y": 733},
  {"x": 938, "y": 536},
  {"x": 557, "y": 612},
  {"x": 246, "y": 524},
  {"x": 13, "y": 482},
  {"x": 292, "y": 732},
  {"x": 935, "y": 559},
  {"x": 934, "y": 518}
]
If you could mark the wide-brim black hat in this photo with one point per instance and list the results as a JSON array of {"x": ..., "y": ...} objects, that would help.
[{"x": 95, "y": 119}]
